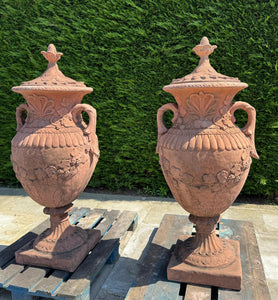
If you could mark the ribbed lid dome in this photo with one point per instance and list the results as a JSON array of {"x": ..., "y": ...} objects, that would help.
[
  {"x": 204, "y": 74},
  {"x": 52, "y": 78}
]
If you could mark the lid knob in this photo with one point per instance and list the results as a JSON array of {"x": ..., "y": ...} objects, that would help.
[
  {"x": 51, "y": 55},
  {"x": 204, "y": 49}
]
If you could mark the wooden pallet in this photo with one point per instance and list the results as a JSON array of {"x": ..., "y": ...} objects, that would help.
[
  {"x": 151, "y": 281},
  {"x": 25, "y": 282}
]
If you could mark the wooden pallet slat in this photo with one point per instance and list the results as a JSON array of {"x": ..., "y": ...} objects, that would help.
[
  {"x": 92, "y": 218},
  {"x": 48, "y": 286},
  {"x": 76, "y": 214},
  {"x": 22, "y": 283},
  {"x": 106, "y": 223},
  {"x": 8, "y": 273},
  {"x": 166, "y": 290},
  {"x": 125, "y": 221},
  {"x": 197, "y": 292}
]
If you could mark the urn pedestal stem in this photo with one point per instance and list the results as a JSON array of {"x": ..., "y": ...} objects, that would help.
[
  {"x": 61, "y": 236},
  {"x": 58, "y": 216},
  {"x": 205, "y": 248}
]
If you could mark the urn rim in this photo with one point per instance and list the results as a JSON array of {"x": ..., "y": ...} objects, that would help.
[{"x": 57, "y": 88}]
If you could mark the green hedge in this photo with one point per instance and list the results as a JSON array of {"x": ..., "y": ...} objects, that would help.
[{"x": 127, "y": 50}]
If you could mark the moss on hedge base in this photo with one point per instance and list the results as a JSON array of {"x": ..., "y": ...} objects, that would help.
[{"x": 127, "y": 51}]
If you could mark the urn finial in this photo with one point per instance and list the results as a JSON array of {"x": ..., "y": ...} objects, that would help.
[
  {"x": 204, "y": 49},
  {"x": 52, "y": 56}
]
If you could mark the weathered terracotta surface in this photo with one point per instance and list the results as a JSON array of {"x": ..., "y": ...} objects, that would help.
[
  {"x": 54, "y": 154},
  {"x": 205, "y": 158}
]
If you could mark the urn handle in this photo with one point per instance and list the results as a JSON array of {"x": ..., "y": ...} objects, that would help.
[
  {"x": 90, "y": 130},
  {"x": 76, "y": 115},
  {"x": 249, "y": 128},
  {"x": 160, "y": 124},
  {"x": 20, "y": 115}
]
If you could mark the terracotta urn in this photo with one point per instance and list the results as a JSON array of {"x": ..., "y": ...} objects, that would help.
[
  {"x": 205, "y": 159},
  {"x": 54, "y": 154}
]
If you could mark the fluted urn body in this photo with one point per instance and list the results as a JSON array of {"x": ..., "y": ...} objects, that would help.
[
  {"x": 204, "y": 156},
  {"x": 54, "y": 153}
]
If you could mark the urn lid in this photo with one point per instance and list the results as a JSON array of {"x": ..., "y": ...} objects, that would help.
[
  {"x": 204, "y": 74},
  {"x": 52, "y": 79}
]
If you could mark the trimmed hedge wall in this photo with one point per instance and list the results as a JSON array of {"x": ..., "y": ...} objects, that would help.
[{"x": 127, "y": 50}]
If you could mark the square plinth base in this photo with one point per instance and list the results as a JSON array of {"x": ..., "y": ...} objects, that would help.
[
  {"x": 229, "y": 277},
  {"x": 66, "y": 261}
]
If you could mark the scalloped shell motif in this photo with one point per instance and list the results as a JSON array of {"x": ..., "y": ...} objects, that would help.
[
  {"x": 41, "y": 106},
  {"x": 201, "y": 105}
]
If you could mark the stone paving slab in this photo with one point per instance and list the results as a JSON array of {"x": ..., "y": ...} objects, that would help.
[{"x": 19, "y": 214}]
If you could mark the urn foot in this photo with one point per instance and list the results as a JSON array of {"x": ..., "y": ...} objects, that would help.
[
  {"x": 63, "y": 246},
  {"x": 205, "y": 258}
]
